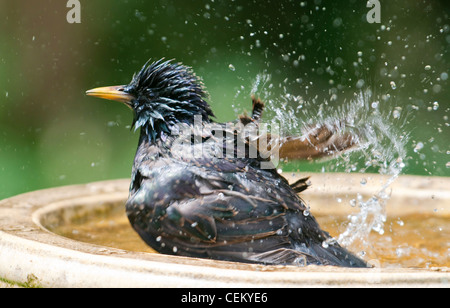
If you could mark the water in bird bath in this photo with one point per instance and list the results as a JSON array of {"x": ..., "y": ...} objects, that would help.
[{"x": 110, "y": 229}]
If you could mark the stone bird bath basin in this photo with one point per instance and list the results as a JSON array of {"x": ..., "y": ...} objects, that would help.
[{"x": 33, "y": 255}]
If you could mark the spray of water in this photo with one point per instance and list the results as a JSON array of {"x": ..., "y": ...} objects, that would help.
[{"x": 380, "y": 146}]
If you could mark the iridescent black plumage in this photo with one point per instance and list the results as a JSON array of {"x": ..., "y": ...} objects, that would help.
[
  {"x": 167, "y": 94},
  {"x": 190, "y": 197}
]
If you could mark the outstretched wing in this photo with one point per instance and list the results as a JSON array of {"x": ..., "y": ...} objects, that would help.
[
  {"x": 320, "y": 141},
  {"x": 317, "y": 142}
]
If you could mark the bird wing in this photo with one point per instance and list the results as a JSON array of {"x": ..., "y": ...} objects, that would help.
[
  {"x": 222, "y": 217},
  {"x": 320, "y": 140},
  {"x": 228, "y": 216}
]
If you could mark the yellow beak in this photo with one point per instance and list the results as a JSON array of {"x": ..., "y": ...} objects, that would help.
[{"x": 114, "y": 93}]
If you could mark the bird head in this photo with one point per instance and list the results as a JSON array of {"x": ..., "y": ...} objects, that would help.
[{"x": 162, "y": 94}]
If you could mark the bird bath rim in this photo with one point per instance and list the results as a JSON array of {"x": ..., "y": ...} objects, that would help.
[{"x": 28, "y": 251}]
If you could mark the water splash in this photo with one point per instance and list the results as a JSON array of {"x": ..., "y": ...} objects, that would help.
[{"x": 380, "y": 146}]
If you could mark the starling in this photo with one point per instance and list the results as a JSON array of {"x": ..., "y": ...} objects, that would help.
[{"x": 205, "y": 189}]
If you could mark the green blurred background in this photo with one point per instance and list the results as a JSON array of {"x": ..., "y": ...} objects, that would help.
[{"x": 51, "y": 134}]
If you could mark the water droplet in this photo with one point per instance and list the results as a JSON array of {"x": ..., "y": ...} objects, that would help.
[
  {"x": 428, "y": 67},
  {"x": 435, "y": 106},
  {"x": 397, "y": 112},
  {"x": 437, "y": 88},
  {"x": 447, "y": 164},
  {"x": 378, "y": 228},
  {"x": 337, "y": 22},
  {"x": 231, "y": 67},
  {"x": 306, "y": 212},
  {"x": 418, "y": 147},
  {"x": 363, "y": 181},
  {"x": 360, "y": 84},
  {"x": 300, "y": 261},
  {"x": 175, "y": 249},
  {"x": 338, "y": 61},
  {"x": 444, "y": 76},
  {"x": 393, "y": 85}
]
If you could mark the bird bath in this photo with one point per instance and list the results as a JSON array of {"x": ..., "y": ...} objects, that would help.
[{"x": 78, "y": 236}]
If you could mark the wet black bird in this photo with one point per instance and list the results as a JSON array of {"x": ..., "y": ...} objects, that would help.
[{"x": 198, "y": 188}]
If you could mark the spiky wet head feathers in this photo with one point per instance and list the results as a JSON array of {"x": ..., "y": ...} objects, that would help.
[{"x": 166, "y": 94}]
